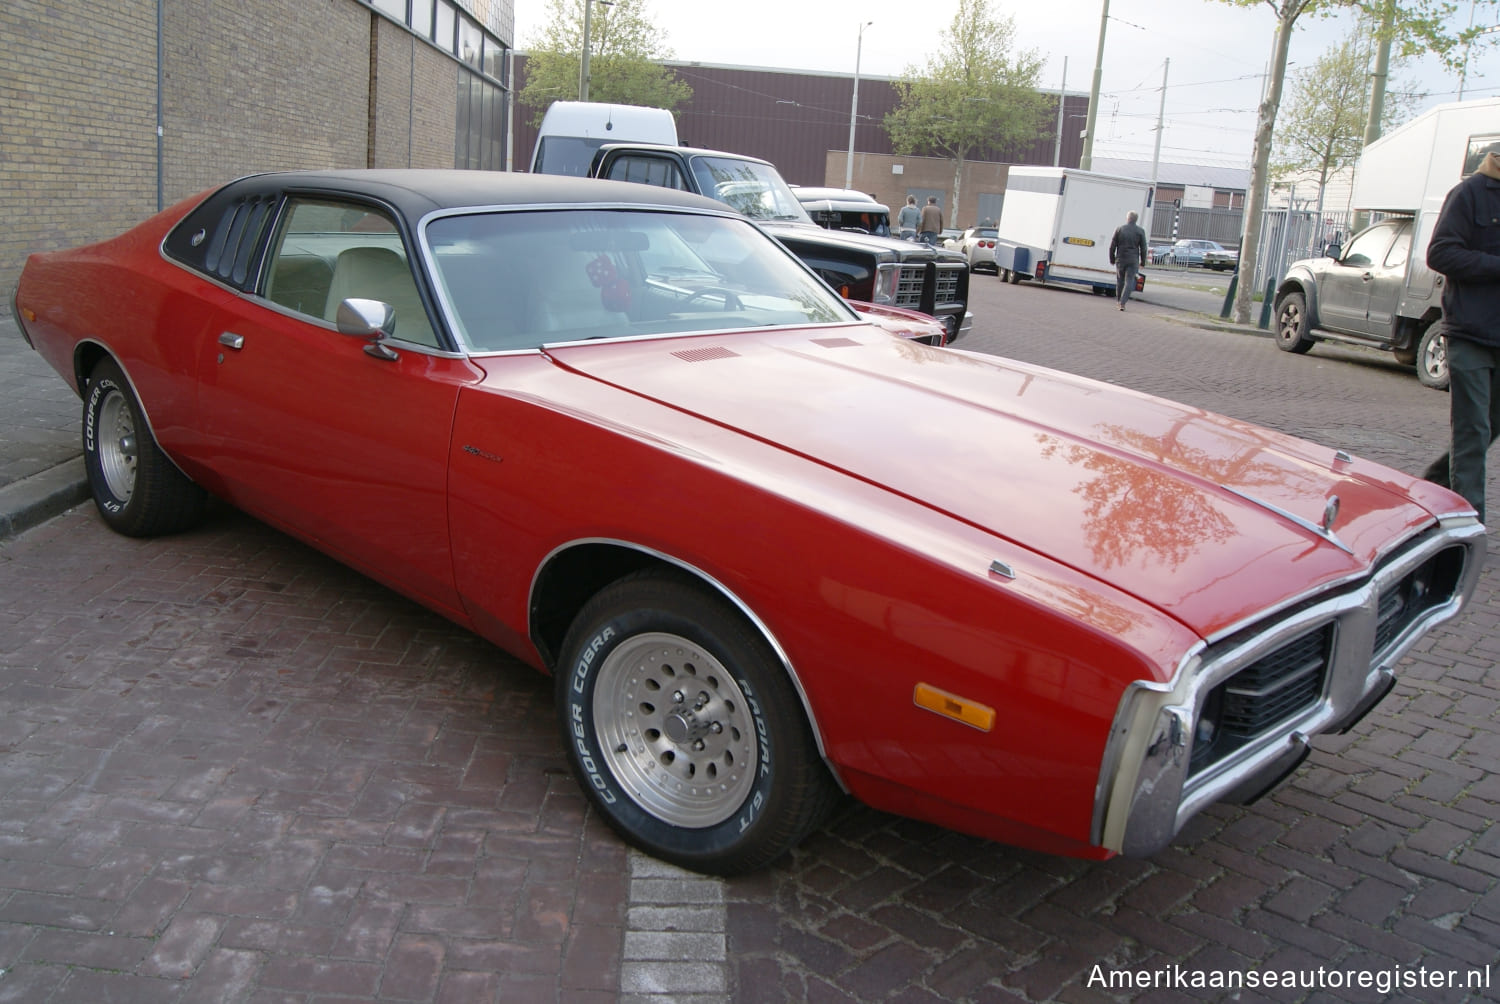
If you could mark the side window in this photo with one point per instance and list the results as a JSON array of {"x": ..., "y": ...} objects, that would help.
[
  {"x": 1368, "y": 248},
  {"x": 656, "y": 171},
  {"x": 1396, "y": 256},
  {"x": 327, "y": 252}
]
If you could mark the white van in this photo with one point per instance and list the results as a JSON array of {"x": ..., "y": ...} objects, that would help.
[{"x": 573, "y": 130}]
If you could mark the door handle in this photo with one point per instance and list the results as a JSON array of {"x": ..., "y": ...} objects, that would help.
[
  {"x": 1367, "y": 277},
  {"x": 231, "y": 340}
]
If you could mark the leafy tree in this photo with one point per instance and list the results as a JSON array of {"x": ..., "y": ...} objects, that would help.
[
  {"x": 1323, "y": 128},
  {"x": 625, "y": 50},
  {"x": 1417, "y": 25},
  {"x": 977, "y": 95}
]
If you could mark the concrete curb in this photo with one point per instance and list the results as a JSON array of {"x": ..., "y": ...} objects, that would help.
[
  {"x": 33, "y": 500},
  {"x": 1211, "y": 322}
]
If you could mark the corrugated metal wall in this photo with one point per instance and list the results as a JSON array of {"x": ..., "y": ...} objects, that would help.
[{"x": 794, "y": 118}]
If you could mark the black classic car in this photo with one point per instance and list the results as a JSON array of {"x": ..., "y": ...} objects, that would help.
[{"x": 880, "y": 270}]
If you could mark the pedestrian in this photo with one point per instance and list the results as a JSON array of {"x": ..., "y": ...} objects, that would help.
[
  {"x": 932, "y": 221},
  {"x": 1465, "y": 250},
  {"x": 908, "y": 218},
  {"x": 1127, "y": 250}
]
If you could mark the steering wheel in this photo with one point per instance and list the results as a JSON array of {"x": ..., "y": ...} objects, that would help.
[{"x": 731, "y": 299}]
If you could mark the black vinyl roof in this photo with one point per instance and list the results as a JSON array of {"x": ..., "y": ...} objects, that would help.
[{"x": 416, "y": 192}]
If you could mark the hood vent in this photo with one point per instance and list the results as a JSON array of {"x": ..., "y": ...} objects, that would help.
[
  {"x": 835, "y": 343},
  {"x": 704, "y": 355}
]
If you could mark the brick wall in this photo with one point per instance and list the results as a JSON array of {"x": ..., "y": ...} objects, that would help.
[
  {"x": 269, "y": 85},
  {"x": 78, "y": 147}
]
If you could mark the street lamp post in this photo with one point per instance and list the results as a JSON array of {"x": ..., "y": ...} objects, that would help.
[
  {"x": 583, "y": 65},
  {"x": 854, "y": 106}
]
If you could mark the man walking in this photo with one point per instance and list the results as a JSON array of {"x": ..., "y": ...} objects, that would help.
[
  {"x": 908, "y": 219},
  {"x": 932, "y": 221},
  {"x": 1465, "y": 249},
  {"x": 1127, "y": 250}
]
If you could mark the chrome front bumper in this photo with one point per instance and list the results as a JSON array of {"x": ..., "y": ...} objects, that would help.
[{"x": 1148, "y": 787}]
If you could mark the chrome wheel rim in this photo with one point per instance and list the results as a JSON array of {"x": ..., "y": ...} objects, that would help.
[
  {"x": 117, "y": 445},
  {"x": 1291, "y": 320},
  {"x": 1435, "y": 359},
  {"x": 675, "y": 730}
]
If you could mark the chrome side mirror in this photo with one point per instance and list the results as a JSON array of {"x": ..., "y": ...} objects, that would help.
[{"x": 373, "y": 320}]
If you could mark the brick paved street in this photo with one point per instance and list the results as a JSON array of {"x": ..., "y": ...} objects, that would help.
[{"x": 232, "y": 769}]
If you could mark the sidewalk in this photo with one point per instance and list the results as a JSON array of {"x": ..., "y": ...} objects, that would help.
[{"x": 41, "y": 459}]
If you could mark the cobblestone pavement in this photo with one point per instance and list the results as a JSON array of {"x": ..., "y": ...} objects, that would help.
[{"x": 232, "y": 769}]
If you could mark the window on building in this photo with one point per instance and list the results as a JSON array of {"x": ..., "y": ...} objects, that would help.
[
  {"x": 421, "y": 17},
  {"x": 391, "y": 8},
  {"x": 447, "y": 26},
  {"x": 470, "y": 43}
]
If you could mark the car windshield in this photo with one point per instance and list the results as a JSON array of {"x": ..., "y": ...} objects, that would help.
[
  {"x": 521, "y": 279},
  {"x": 750, "y": 188}
]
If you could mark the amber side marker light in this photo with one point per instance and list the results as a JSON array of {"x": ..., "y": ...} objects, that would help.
[{"x": 960, "y": 709}]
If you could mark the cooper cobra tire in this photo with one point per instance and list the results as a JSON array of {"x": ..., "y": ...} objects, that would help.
[
  {"x": 1013, "y": 277},
  {"x": 683, "y": 729},
  {"x": 137, "y": 490},
  {"x": 1432, "y": 358},
  {"x": 1291, "y": 324}
]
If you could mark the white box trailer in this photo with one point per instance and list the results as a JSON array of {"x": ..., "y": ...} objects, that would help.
[{"x": 1057, "y": 222}]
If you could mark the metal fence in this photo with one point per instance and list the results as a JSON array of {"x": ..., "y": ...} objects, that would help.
[
  {"x": 1222, "y": 225},
  {"x": 1288, "y": 235}
]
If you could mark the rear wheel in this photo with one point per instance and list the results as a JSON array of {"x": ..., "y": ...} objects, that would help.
[
  {"x": 1291, "y": 324},
  {"x": 137, "y": 490},
  {"x": 684, "y": 730},
  {"x": 1432, "y": 358}
]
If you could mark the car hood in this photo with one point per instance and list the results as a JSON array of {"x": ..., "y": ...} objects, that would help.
[
  {"x": 871, "y": 243},
  {"x": 1207, "y": 518}
]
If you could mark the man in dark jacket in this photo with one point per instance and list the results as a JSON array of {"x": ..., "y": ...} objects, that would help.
[
  {"x": 1465, "y": 249},
  {"x": 1127, "y": 250}
]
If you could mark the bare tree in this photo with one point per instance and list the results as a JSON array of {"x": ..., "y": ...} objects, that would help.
[
  {"x": 626, "y": 49},
  {"x": 1323, "y": 128},
  {"x": 977, "y": 94},
  {"x": 1419, "y": 25}
]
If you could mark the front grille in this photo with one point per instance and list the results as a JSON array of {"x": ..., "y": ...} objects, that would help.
[
  {"x": 1430, "y": 584},
  {"x": 909, "y": 282},
  {"x": 1269, "y": 690},
  {"x": 948, "y": 282}
]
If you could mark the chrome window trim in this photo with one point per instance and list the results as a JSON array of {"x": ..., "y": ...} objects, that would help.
[
  {"x": 460, "y": 338},
  {"x": 1144, "y": 794}
]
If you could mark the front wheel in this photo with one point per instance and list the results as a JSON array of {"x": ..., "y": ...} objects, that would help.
[
  {"x": 1291, "y": 324},
  {"x": 137, "y": 490},
  {"x": 1432, "y": 358},
  {"x": 683, "y": 729}
]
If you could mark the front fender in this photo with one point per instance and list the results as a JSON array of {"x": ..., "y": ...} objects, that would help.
[{"x": 1301, "y": 280}]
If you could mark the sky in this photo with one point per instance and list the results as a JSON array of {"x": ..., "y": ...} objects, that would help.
[{"x": 1218, "y": 54}]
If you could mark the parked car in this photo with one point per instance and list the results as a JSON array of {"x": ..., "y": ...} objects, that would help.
[
  {"x": 1159, "y": 253},
  {"x": 845, "y": 209},
  {"x": 949, "y": 237},
  {"x": 625, "y": 435},
  {"x": 1221, "y": 260},
  {"x": 881, "y": 270},
  {"x": 1377, "y": 292},
  {"x": 978, "y": 245},
  {"x": 1209, "y": 254}
]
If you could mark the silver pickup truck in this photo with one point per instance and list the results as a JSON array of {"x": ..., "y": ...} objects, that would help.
[{"x": 1376, "y": 291}]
